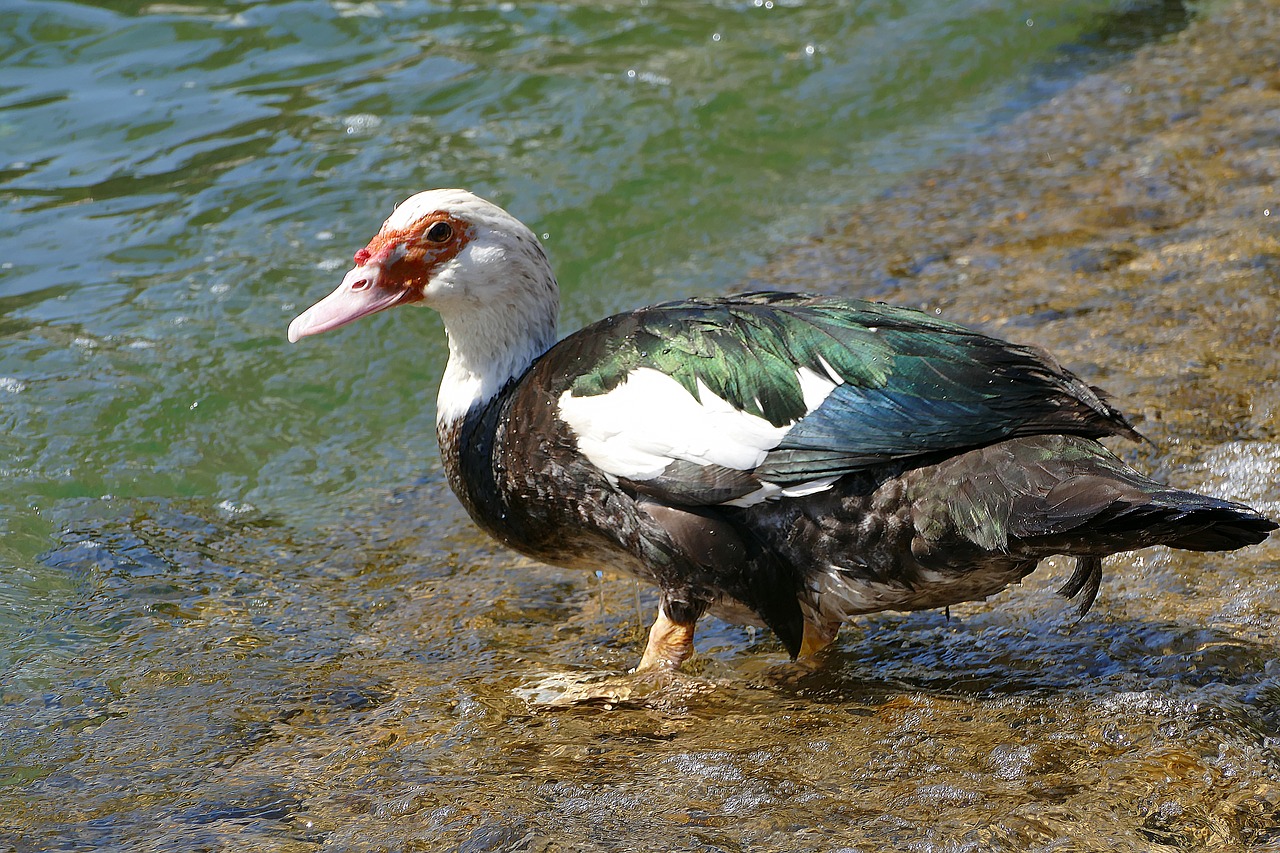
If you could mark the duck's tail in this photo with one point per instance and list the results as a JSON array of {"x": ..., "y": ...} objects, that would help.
[
  {"x": 1117, "y": 509},
  {"x": 1046, "y": 495}
]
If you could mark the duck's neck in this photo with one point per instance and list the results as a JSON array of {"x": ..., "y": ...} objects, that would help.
[{"x": 488, "y": 347}]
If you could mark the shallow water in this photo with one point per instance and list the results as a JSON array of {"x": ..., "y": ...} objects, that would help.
[{"x": 239, "y": 608}]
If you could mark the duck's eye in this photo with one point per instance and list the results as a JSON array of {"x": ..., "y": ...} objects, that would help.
[{"x": 439, "y": 232}]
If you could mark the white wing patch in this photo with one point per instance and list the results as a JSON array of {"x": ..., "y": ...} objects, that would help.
[
  {"x": 649, "y": 421},
  {"x": 815, "y": 388},
  {"x": 768, "y": 491}
]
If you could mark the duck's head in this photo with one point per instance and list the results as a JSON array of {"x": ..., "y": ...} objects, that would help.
[{"x": 450, "y": 250}]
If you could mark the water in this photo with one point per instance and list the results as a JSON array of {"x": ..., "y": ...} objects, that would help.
[{"x": 238, "y": 607}]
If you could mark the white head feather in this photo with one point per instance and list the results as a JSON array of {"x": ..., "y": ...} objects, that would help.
[
  {"x": 498, "y": 297},
  {"x": 486, "y": 274}
]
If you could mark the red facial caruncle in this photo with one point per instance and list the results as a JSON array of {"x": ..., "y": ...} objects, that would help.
[{"x": 394, "y": 269}]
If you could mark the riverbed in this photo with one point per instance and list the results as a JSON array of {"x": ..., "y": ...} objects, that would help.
[{"x": 241, "y": 609}]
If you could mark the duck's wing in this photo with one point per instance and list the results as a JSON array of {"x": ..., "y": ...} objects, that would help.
[{"x": 766, "y": 395}]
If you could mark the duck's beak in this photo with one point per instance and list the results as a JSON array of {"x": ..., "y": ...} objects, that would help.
[{"x": 363, "y": 292}]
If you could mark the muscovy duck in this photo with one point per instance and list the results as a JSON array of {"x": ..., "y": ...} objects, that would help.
[{"x": 777, "y": 459}]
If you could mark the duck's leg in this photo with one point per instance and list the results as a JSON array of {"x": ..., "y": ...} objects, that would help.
[
  {"x": 816, "y": 638},
  {"x": 670, "y": 642}
]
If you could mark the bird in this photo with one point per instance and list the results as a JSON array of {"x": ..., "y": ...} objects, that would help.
[{"x": 776, "y": 459}]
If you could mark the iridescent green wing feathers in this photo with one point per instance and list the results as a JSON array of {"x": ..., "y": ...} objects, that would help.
[{"x": 907, "y": 384}]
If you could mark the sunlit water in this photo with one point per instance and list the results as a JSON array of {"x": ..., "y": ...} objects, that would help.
[{"x": 239, "y": 609}]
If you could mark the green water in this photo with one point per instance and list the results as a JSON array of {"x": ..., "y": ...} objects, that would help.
[{"x": 238, "y": 608}]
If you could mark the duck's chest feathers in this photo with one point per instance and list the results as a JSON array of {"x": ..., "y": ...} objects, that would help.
[{"x": 515, "y": 467}]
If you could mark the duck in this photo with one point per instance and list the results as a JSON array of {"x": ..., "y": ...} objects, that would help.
[{"x": 776, "y": 459}]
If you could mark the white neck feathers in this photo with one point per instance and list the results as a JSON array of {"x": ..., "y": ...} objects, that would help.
[
  {"x": 500, "y": 305},
  {"x": 486, "y": 351}
]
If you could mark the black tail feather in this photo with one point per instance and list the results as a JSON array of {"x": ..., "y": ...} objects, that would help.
[
  {"x": 1218, "y": 525},
  {"x": 1084, "y": 582},
  {"x": 1178, "y": 519},
  {"x": 1195, "y": 522},
  {"x": 1099, "y": 505}
]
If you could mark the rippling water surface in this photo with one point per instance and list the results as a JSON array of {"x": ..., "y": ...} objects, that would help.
[{"x": 238, "y": 607}]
